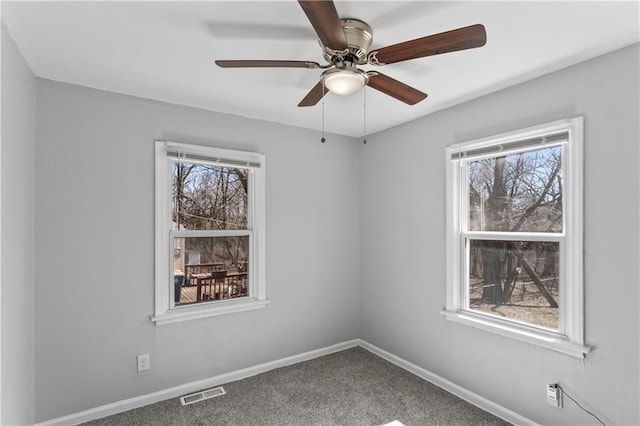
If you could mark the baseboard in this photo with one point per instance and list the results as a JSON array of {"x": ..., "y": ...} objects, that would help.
[
  {"x": 141, "y": 401},
  {"x": 459, "y": 391}
]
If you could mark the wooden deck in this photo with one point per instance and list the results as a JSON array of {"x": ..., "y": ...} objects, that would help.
[
  {"x": 234, "y": 285},
  {"x": 188, "y": 295}
]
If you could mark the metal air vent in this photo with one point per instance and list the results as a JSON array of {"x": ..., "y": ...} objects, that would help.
[{"x": 202, "y": 395}]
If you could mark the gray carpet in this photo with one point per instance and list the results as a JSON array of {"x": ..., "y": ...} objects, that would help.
[{"x": 351, "y": 387}]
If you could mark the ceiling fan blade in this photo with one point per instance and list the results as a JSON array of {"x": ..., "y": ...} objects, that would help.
[
  {"x": 324, "y": 19},
  {"x": 266, "y": 64},
  {"x": 449, "y": 41},
  {"x": 395, "y": 88},
  {"x": 314, "y": 95}
]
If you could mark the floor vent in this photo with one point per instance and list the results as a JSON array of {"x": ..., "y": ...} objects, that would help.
[{"x": 202, "y": 395}]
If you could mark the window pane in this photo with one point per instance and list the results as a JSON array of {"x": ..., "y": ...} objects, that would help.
[
  {"x": 210, "y": 268},
  {"x": 208, "y": 197},
  {"x": 516, "y": 280},
  {"x": 519, "y": 192}
]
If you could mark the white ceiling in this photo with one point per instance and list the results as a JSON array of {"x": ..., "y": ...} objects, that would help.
[{"x": 165, "y": 51}]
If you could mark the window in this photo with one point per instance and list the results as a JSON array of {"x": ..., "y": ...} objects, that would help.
[
  {"x": 514, "y": 243},
  {"x": 209, "y": 232}
]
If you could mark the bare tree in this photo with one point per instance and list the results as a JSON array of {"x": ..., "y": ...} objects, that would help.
[
  {"x": 207, "y": 197},
  {"x": 515, "y": 192}
]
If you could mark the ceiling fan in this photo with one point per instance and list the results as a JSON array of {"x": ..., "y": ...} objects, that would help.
[{"x": 346, "y": 43}]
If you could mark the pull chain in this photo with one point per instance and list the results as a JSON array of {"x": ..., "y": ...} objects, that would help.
[
  {"x": 364, "y": 115},
  {"x": 323, "y": 140}
]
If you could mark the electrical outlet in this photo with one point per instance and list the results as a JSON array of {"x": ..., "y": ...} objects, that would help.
[
  {"x": 143, "y": 362},
  {"x": 554, "y": 395}
]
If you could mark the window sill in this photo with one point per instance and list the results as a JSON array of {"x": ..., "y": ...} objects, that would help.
[
  {"x": 208, "y": 310},
  {"x": 549, "y": 341}
]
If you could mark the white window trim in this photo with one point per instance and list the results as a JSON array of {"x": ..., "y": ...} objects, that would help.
[
  {"x": 570, "y": 339},
  {"x": 165, "y": 312}
]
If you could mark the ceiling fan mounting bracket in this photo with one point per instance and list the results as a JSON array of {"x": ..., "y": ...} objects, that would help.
[
  {"x": 359, "y": 37},
  {"x": 372, "y": 58},
  {"x": 331, "y": 55}
]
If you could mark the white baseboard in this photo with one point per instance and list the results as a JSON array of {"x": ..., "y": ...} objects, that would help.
[
  {"x": 142, "y": 400},
  {"x": 459, "y": 391}
]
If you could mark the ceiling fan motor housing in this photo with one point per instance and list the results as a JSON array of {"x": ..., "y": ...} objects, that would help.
[{"x": 359, "y": 37}]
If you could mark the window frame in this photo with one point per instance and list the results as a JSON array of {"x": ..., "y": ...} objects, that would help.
[
  {"x": 165, "y": 310},
  {"x": 569, "y": 338}
]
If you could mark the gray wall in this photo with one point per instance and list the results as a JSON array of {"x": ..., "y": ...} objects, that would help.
[
  {"x": 402, "y": 235},
  {"x": 95, "y": 244},
  {"x": 18, "y": 141}
]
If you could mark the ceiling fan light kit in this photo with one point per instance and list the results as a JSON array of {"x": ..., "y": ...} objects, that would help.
[
  {"x": 344, "y": 81},
  {"x": 346, "y": 43}
]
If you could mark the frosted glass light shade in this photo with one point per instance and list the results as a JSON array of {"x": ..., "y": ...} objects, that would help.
[{"x": 344, "y": 82}]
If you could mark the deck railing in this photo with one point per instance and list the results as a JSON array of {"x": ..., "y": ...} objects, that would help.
[
  {"x": 211, "y": 281},
  {"x": 192, "y": 271}
]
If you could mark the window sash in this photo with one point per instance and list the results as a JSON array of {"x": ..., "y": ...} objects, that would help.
[
  {"x": 251, "y": 186},
  {"x": 463, "y": 178},
  {"x": 251, "y": 289},
  {"x": 464, "y": 287}
]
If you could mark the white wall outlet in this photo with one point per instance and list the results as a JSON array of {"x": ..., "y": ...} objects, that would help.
[
  {"x": 143, "y": 362},
  {"x": 554, "y": 395}
]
